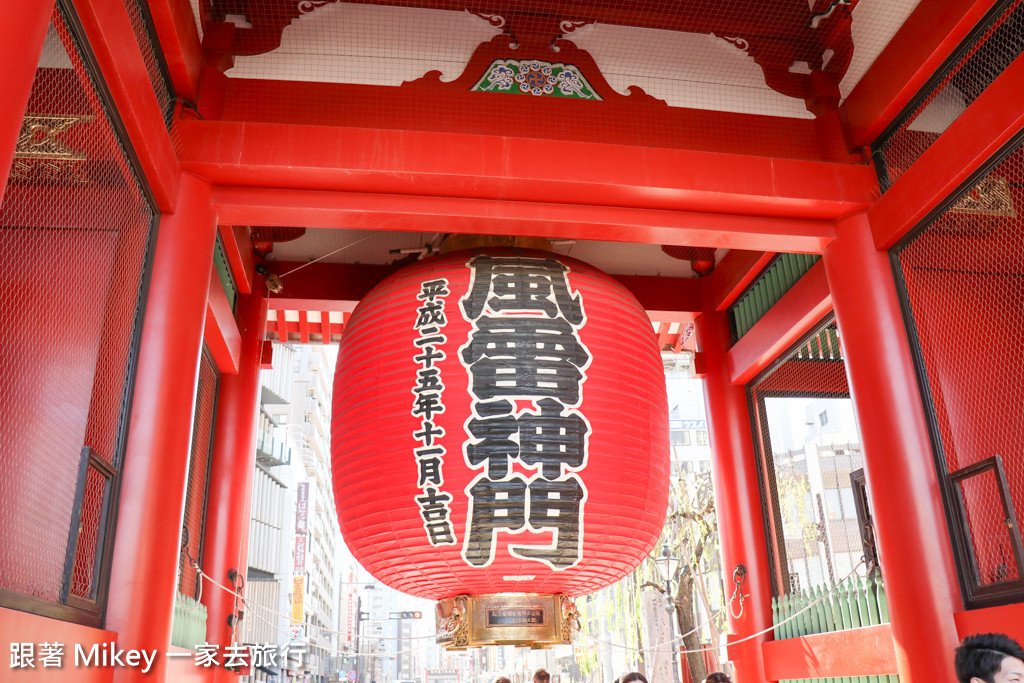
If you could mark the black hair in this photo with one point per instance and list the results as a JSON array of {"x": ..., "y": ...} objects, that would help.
[
  {"x": 981, "y": 655},
  {"x": 633, "y": 676},
  {"x": 717, "y": 677}
]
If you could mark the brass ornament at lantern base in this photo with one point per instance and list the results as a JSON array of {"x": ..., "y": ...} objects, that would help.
[{"x": 525, "y": 619}]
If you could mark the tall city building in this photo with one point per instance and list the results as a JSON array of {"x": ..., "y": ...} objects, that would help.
[{"x": 293, "y": 586}]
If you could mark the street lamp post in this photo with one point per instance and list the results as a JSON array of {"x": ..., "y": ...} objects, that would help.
[{"x": 670, "y": 565}]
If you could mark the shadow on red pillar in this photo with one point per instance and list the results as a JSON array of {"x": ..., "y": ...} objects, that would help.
[
  {"x": 231, "y": 472},
  {"x": 144, "y": 568},
  {"x": 910, "y": 528},
  {"x": 737, "y": 498},
  {"x": 22, "y": 34}
]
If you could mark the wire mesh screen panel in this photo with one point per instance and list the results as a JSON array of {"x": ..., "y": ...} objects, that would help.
[
  {"x": 194, "y": 522},
  {"x": 808, "y": 443},
  {"x": 964, "y": 297},
  {"x": 983, "y": 56},
  {"x": 742, "y": 76},
  {"x": 145, "y": 36},
  {"x": 996, "y": 552},
  {"x": 74, "y": 234}
]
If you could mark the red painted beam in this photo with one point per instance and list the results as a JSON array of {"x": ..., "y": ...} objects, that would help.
[
  {"x": 456, "y": 110},
  {"x": 179, "y": 39},
  {"x": 304, "y": 327},
  {"x": 431, "y": 164},
  {"x": 665, "y": 297},
  {"x": 928, "y": 36},
  {"x": 867, "y": 651},
  {"x": 782, "y": 326},
  {"x": 282, "y": 327},
  {"x": 112, "y": 39},
  {"x": 220, "y": 331},
  {"x": 325, "y": 324},
  {"x": 500, "y": 217},
  {"x": 736, "y": 271},
  {"x": 293, "y": 330},
  {"x": 978, "y": 133},
  {"x": 1008, "y": 619},
  {"x": 340, "y": 286},
  {"x": 324, "y": 286}
]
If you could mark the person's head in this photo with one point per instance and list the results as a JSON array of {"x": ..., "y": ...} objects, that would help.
[
  {"x": 633, "y": 676},
  {"x": 989, "y": 658},
  {"x": 719, "y": 677},
  {"x": 502, "y": 679},
  {"x": 541, "y": 676}
]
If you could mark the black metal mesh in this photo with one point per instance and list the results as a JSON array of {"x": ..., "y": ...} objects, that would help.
[
  {"x": 199, "y": 471},
  {"x": 973, "y": 68},
  {"x": 964, "y": 287},
  {"x": 74, "y": 234},
  {"x": 145, "y": 36},
  {"x": 808, "y": 445}
]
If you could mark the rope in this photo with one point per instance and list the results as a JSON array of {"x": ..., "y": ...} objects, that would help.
[
  {"x": 238, "y": 596},
  {"x": 752, "y": 635},
  {"x": 320, "y": 258},
  {"x": 656, "y": 648}
]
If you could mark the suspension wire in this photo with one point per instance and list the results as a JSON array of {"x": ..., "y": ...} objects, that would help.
[
  {"x": 269, "y": 610},
  {"x": 811, "y": 604},
  {"x": 616, "y": 647},
  {"x": 345, "y": 653},
  {"x": 321, "y": 258},
  {"x": 656, "y": 648}
]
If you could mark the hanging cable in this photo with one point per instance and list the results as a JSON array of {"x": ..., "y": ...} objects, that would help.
[
  {"x": 320, "y": 258},
  {"x": 209, "y": 578},
  {"x": 752, "y": 635}
]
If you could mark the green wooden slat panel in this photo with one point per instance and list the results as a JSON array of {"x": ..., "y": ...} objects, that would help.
[
  {"x": 770, "y": 287},
  {"x": 227, "y": 280}
]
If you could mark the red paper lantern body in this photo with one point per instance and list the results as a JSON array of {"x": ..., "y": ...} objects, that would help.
[{"x": 500, "y": 425}]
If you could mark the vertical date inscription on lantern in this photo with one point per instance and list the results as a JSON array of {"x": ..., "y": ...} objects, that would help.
[{"x": 515, "y": 617}]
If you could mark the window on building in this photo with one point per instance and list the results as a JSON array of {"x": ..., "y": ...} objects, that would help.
[
  {"x": 702, "y": 437},
  {"x": 823, "y": 418}
]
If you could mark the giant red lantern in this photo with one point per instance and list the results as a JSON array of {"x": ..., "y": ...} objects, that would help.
[{"x": 500, "y": 426}]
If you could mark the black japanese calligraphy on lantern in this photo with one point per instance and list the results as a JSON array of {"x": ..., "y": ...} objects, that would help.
[
  {"x": 427, "y": 403},
  {"x": 526, "y": 366}
]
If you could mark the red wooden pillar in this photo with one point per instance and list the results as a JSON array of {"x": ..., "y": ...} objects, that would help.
[
  {"x": 143, "y": 577},
  {"x": 737, "y": 498},
  {"x": 226, "y": 544},
  {"x": 23, "y": 28},
  {"x": 910, "y": 528}
]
